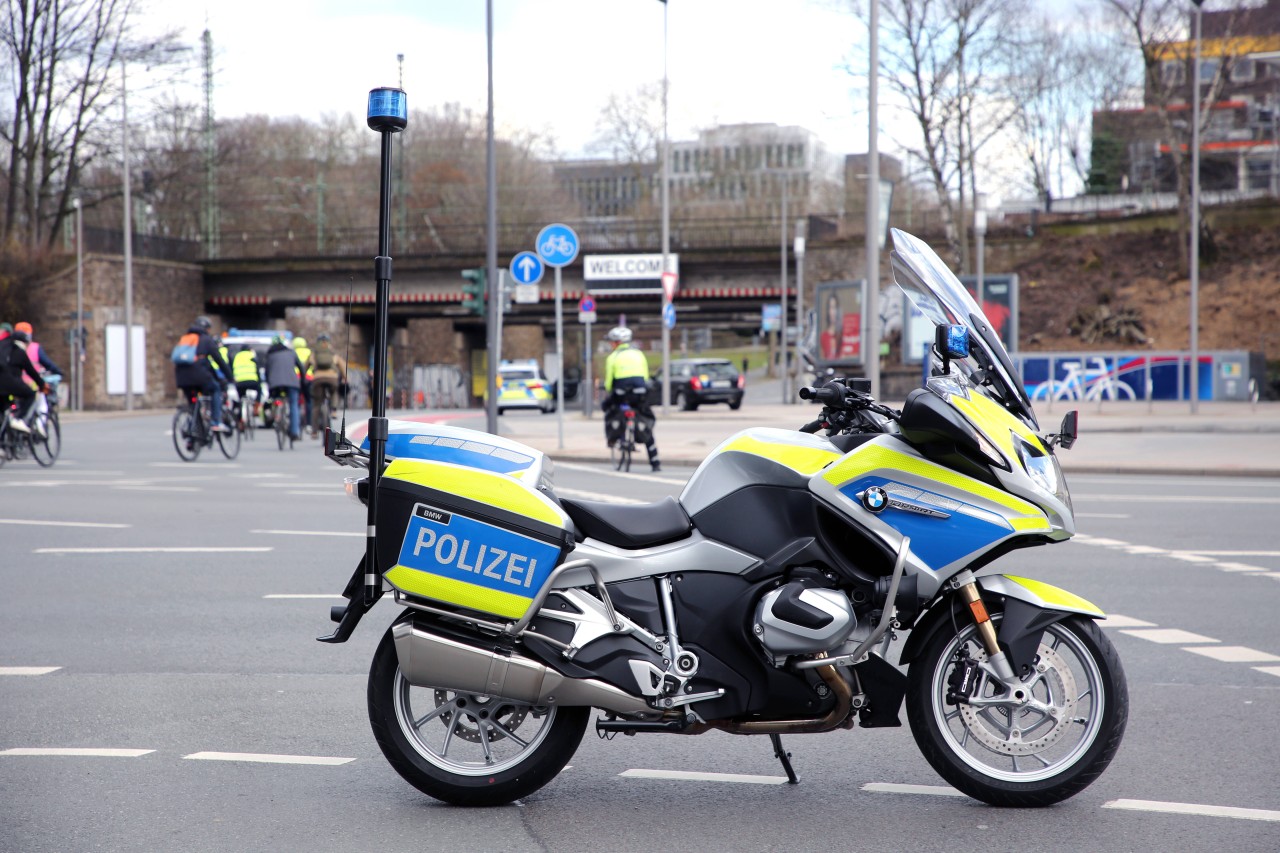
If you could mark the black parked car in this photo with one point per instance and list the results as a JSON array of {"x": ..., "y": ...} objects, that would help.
[{"x": 695, "y": 381}]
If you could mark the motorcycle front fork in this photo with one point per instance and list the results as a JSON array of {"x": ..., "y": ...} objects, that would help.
[{"x": 967, "y": 586}]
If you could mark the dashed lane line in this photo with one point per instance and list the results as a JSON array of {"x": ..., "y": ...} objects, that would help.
[
  {"x": 895, "y": 788},
  {"x": 1233, "y": 654},
  {"x": 28, "y": 670},
  {"x": 266, "y": 758},
  {"x": 1167, "y": 636},
  {"x": 692, "y": 776},
  {"x": 309, "y": 533},
  {"x": 1269, "y": 670},
  {"x": 77, "y": 751},
  {"x": 155, "y": 550},
  {"x": 1194, "y": 809},
  {"x": 1115, "y": 620},
  {"x": 40, "y": 523}
]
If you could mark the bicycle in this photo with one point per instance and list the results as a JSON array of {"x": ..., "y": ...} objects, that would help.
[
  {"x": 192, "y": 431},
  {"x": 1081, "y": 384},
  {"x": 280, "y": 419},
  {"x": 620, "y": 451},
  {"x": 245, "y": 413},
  {"x": 13, "y": 444},
  {"x": 46, "y": 427}
]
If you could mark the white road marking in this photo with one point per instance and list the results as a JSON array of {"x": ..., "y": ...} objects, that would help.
[
  {"x": 595, "y": 469},
  {"x": 595, "y": 496},
  {"x": 28, "y": 670},
  {"x": 1103, "y": 515},
  {"x": 690, "y": 776},
  {"x": 894, "y": 788},
  {"x": 1178, "y": 499},
  {"x": 1101, "y": 541},
  {"x": 266, "y": 758},
  {"x": 309, "y": 533},
  {"x": 158, "y": 488},
  {"x": 1237, "y": 553},
  {"x": 39, "y": 523},
  {"x": 1144, "y": 549},
  {"x": 1193, "y": 809},
  {"x": 163, "y": 550},
  {"x": 1115, "y": 620},
  {"x": 1233, "y": 654},
  {"x": 1275, "y": 575},
  {"x": 1238, "y": 567},
  {"x": 1168, "y": 636},
  {"x": 223, "y": 464},
  {"x": 301, "y": 595},
  {"x": 97, "y": 753},
  {"x": 1189, "y": 558},
  {"x": 1269, "y": 670}
]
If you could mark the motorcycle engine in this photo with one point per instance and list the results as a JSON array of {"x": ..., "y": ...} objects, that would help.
[{"x": 798, "y": 619}]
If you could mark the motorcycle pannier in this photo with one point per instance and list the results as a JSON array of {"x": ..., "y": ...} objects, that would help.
[{"x": 461, "y": 521}]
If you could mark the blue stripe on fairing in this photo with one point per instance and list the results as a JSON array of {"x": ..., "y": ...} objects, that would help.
[
  {"x": 403, "y": 446},
  {"x": 936, "y": 541}
]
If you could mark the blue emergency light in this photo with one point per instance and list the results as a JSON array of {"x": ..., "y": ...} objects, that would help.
[{"x": 388, "y": 110}]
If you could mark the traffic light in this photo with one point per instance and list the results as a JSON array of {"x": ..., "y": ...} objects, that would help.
[{"x": 473, "y": 291}]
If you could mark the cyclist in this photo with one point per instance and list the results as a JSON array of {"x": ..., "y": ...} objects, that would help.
[
  {"x": 284, "y": 373},
  {"x": 244, "y": 369},
  {"x": 304, "y": 355},
  {"x": 13, "y": 364},
  {"x": 201, "y": 375},
  {"x": 327, "y": 370},
  {"x": 36, "y": 353},
  {"x": 626, "y": 373}
]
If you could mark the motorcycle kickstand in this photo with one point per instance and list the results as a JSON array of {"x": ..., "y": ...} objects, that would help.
[{"x": 785, "y": 757}]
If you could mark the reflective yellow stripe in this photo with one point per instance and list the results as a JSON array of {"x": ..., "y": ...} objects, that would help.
[
  {"x": 873, "y": 457},
  {"x": 1054, "y": 596},
  {"x": 1030, "y": 525},
  {"x": 497, "y": 490},
  {"x": 803, "y": 460},
  {"x": 995, "y": 422},
  {"x": 457, "y": 592}
]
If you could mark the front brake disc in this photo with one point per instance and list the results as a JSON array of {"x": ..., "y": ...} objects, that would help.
[{"x": 1014, "y": 728}]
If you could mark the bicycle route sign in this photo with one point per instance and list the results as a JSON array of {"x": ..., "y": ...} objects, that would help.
[
  {"x": 557, "y": 245},
  {"x": 527, "y": 268}
]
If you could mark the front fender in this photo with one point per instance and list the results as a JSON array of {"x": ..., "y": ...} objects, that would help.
[{"x": 1030, "y": 606}]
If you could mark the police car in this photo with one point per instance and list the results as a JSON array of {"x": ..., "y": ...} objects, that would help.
[{"x": 523, "y": 385}]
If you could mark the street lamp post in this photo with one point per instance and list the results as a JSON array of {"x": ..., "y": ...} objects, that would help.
[
  {"x": 77, "y": 348},
  {"x": 798, "y": 249},
  {"x": 1195, "y": 221},
  {"x": 667, "y": 293},
  {"x": 782, "y": 343},
  {"x": 871, "y": 342},
  {"x": 980, "y": 234},
  {"x": 128, "y": 243}
]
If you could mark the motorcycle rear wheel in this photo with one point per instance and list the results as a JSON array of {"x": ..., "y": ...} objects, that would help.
[
  {"x": 467, "y": 749},
  {"x": 1011, "y": 753}
]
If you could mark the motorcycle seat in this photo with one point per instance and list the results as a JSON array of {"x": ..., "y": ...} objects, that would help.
[{"x": 629, "y": 525}]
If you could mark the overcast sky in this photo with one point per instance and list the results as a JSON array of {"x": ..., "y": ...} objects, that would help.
[{"x": 556, "y": 62}]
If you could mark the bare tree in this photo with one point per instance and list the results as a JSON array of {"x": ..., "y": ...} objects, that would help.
[
  {"x": 1159, "y": 31},
  {"x": 949, "y": 64},
  {"x": 58, "y": 55}
]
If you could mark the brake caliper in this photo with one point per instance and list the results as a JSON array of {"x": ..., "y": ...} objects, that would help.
[{"x": 962, "y": 679}]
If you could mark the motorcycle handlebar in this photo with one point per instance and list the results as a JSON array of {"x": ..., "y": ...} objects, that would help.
[{"x": 827, "y": 394}]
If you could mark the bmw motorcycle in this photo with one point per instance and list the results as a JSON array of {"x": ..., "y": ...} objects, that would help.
[{"x": 765, "y": 600}]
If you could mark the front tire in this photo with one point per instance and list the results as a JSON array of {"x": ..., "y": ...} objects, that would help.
[
  {"x": 467, "y": 749},
  {"x": 1024, "y": 753}
]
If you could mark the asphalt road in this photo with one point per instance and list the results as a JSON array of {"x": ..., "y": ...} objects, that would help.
[{"x": 228, "y": 728}]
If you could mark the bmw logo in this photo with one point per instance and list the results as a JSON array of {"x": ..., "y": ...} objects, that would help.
[{"x": 875, "y": 499}]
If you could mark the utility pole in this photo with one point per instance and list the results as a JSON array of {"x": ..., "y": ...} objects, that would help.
[{"x": 212, "y": 233}]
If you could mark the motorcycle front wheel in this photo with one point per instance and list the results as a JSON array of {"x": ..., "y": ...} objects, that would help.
[
  {"x": 463, "y": 748},
  {"x": 1035, "y": 745}
]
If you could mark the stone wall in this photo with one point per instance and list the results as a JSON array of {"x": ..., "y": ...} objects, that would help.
[{"x": 167, "y": 296}]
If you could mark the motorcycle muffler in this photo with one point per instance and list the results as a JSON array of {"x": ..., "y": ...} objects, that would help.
[{"x": 429, "y": 660}]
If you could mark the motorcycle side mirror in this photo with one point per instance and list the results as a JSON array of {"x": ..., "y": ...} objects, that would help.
[
  {"x": 1069, "y": 430},
  {"x": 950, "y": 341}
]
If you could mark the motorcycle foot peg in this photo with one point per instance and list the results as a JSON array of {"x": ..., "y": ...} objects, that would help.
[{"x": 337, "y": 611}]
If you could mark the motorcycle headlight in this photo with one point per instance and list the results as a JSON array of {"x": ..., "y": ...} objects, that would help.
[{"x": 1040, "y": 466}]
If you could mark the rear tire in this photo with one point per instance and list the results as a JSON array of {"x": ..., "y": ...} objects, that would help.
[
  {"x": 184, "y": 437},
  {"x": 229, "y": 442},
  {"x": 466, "y": 749},
  {"x": 46, "y": 450}
]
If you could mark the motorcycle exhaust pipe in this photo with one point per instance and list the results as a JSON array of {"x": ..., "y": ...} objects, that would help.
[
  {"x": 429, "y": 660},
  {"x": 836, "y": 718}
]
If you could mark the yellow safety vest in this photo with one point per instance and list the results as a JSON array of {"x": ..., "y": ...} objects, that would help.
[
  {"x": 303, "y": 354},
  {"x": 245, "y": 367},
  {"x": 624, "y": 363}
]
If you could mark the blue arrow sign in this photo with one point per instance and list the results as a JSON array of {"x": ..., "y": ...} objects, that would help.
[
  {"x": 557, "y": 245},
  {"x": 669, "y": 315},
  {"x": 527, "y": 268}
]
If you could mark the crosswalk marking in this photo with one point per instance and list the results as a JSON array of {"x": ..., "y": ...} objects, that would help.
[
  {"x": 1233, "y": 654},
  {"x": 28, "y": 670},
  {"x": 77, "y": 751},
  {"x": 1193, "y": 809},
  {"x": 690, "y": 776},
  {"x": 1168, "y": 636},
  {"x": 267, "y": 758}
]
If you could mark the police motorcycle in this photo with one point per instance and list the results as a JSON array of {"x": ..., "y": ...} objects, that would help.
[{"x": 765, "y": 600}]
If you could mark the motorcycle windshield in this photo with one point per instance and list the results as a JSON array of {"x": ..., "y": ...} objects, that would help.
[{"x": 940, "y": 296}]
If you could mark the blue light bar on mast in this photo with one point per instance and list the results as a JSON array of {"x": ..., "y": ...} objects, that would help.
[{"x": 388, "y": 110}]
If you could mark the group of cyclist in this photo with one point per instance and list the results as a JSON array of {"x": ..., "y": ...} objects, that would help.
[
  {"x": 23, "y": 367},
  {"x": 306, "y": 377}
]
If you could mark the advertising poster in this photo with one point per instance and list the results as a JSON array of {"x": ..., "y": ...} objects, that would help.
[
  {"x": 839, "y": 317},
  {"x": 999, "y": 303}
]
